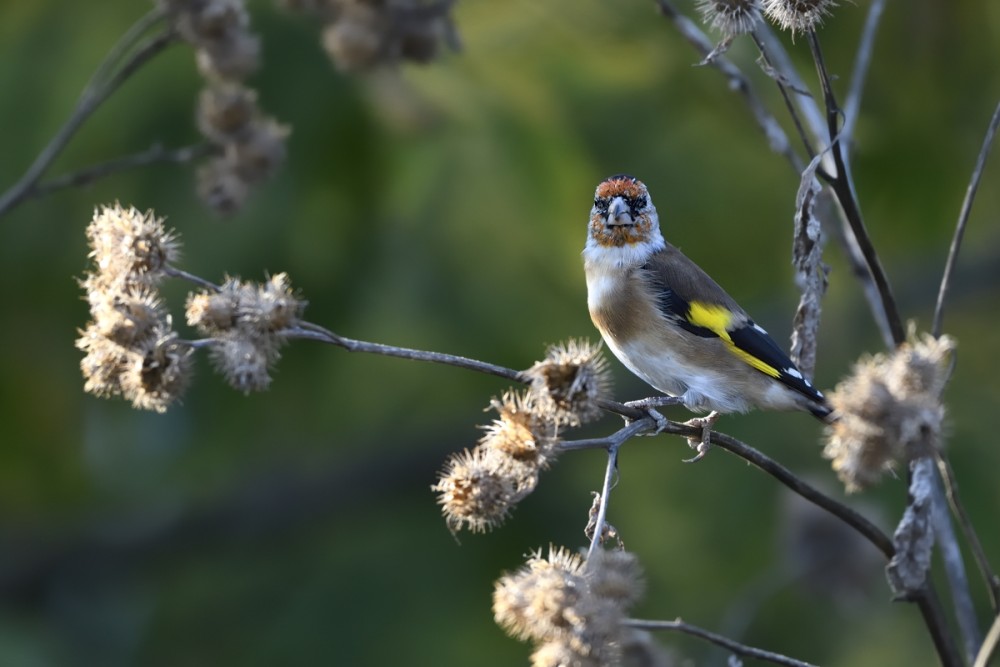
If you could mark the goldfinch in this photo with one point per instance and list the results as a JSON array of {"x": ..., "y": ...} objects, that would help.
[{"x": 672, "y": 325}]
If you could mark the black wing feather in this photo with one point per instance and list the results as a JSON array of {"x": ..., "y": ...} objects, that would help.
[
  {"x": 759, "y": 344},
  {"x": 673, "y": 278}
]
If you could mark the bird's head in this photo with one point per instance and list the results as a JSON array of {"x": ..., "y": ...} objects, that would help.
[{"x": 623, "y": 215}]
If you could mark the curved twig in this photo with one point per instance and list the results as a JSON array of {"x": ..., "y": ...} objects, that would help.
[
  {"x": 963, "y": 218},
  {"x": 717, "y": 639},
  {"x": 958, "y": 509},
  {"x": 152, "y": 155},
  {"x": 783, "y": 89},
  {"x": 989, "y": 645},
  {"x": 776, "y": 136},
  {"x": 93, "y": 96},
  {"x": 602, "y": 510},
  {"x": 861, "y": 62},
  {"x": 318, "y": 333},
  {"x": 851, "y": 517},
  {"x": 844, "y": 190}
]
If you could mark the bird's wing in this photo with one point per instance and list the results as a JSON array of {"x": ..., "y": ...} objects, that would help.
[{"x": 690, "y": 298}]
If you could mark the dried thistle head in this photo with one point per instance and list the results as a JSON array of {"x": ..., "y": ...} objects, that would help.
[
  {"x": 521, "y": 431},
  {"x": 104, "y": 363},
  {"x": 615, "y": 575},
  {"x": 730, "y": 17},
  {"x": 538, "y": 601},
  {"x": 225, "y": 111},
  {"x": 571, "y": 609},
  {"x": 798, "y": 15},
  {"x": 243, "y": 363},
  {"x": 473, "y": 492},
  {"x": 256, "y": 156},
  {"x": 220, "y": 187},
  {"x": 215, "y": 313},
  {"x": 128, "y": 317},
  {"x": 356, "y": 39},
  {"x": 130, "y": 247},
  {"x": 233, "y": 58},
  {"x": 249, "y": 323},
  {"x": 888, "y": 411},
  {"x": 219, "y": 31},
  {"x": 561, "y": 653},
  {"x": 160, "y": 376},
  {"x": 272, "y": 307},
  {"x": 361, "y": 35},
  {"x": 570, "y": 381},
  {"x": 922, "y": 365},
  {"x": 253, "y": 147}
]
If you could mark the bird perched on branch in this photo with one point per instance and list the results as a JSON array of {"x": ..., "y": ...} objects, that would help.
[{"x": 672, "y": 325}]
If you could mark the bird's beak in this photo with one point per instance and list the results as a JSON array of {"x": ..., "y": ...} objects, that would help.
[{"x": 618, "y": 213}]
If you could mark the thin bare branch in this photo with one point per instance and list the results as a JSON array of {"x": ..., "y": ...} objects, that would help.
[
  {"x": 783, "y": 85},
  {"x": 954, "y": 568},
  {"x": 776, "y": 137},
  {"x": 856, "y": 260},
  {"x": 602, "y": 511},
  {"x": 129, "y": 39},
  {"x": 91, "y": 98},
  {"x": 860, "y": 73},
  {"x": 963, "y": 218},
  {"x": 866, "y": 528},
  {"x": 843, "y": 187},
  {"x": 174, "y": 272},
  {"x": 725, "y": 642},
  {"x": 614, "y": 440},
  {"x": 978, "y": 553},
  {"x": 989, "y": 646},
  {"x": 809, "y": 110},
  {"x": 318, "y": 333},
  {"x": 153, "y": 155},
  {"x": 937, "y": 626}
]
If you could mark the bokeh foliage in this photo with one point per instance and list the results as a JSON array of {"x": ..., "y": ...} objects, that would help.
[{"x": 443, "y": 207}]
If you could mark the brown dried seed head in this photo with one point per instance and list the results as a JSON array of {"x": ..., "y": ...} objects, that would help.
[
  {"x": 355, "y": 41},
  {"x": 616, "y": 575},
  {"x": 225, "y": 111},
  {"x": 888, "y": 411},
  {"x": 537, "y": 601},
  {"x": 130, "y": 247},
  {"x": 104, "y": 364},
  {"x": 256, "y": 157},
  {"x": 160, "y": 376},
  {"x": 569, "y": 383},
  {"x": 214, "y": 313},
  {"x": 220, "y": 186},
  {"x": 243, "y": 363},
  {"x": 473, "y": 492},
  {"x": 798, "y": 15},
  {"x": 520, "y": 432},
  {"x": 730, "y": 17}
]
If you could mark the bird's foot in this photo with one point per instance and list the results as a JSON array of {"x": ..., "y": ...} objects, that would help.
[
  {"x": 703, "y": 444},
  {"x": 648, "y": 405}
]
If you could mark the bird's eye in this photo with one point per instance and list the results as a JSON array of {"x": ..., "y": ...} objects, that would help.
[
  {"x": 636, "y": 204},
  {"x": 601, "y": 204}
]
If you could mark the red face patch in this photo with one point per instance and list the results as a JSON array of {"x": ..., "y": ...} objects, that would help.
[{"x": 621, "y": 187}]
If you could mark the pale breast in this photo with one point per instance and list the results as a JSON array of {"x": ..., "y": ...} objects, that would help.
[{"x": 674, "y": 361}]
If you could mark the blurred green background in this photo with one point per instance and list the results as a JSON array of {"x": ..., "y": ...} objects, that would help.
[{"x": 443, "y": 207}]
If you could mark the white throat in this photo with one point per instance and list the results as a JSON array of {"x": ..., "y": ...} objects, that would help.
[{"x": 606, "y": 258}]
